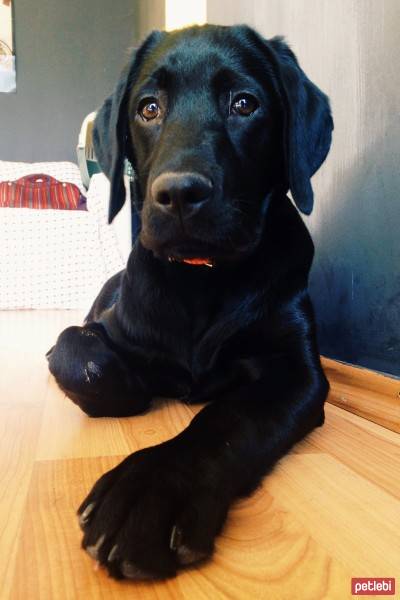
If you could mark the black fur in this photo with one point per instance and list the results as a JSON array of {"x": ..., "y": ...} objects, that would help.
[{"x": 240, "y": 335}]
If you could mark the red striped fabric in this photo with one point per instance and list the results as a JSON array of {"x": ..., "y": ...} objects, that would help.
[{"x": 40, "y": 191}]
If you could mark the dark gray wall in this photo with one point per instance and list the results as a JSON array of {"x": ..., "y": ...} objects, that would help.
[
  {"x": 351, "y": 50},
  {"x": 69, "y": 54}
]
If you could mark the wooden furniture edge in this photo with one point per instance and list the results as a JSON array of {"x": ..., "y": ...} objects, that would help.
[{"x": 366, "y": 393}]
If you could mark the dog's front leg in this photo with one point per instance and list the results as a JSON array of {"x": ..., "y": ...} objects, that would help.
[
  {"x": 95, "y": 375},
  {"x": 163, "y": 506}
]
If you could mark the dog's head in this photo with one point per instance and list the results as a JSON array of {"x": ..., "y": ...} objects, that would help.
[{"x": 213, "y": 120}]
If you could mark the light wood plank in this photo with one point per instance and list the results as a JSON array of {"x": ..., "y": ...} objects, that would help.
[
  {"x": 353, "y": 519},
  {"x": 372, "y": 452},
  {"x": 329, "y": 511},
  {"x": 371, "y": 395},
  {"x": 20, "y": 417},
  {"x": 67, "y": 432},
  {"x": 382, "y": 433},
  {"x": 264, "y": 551},
  {"x": 24, "y": 381}
]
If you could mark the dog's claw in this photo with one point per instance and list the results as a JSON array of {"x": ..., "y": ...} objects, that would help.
[
  {"x": 131, "y": 571},
  {"x": 176, "y": 538},
  {"x": 93, "y": 551},
  {"x": 48, "y": 353},
  {"x": 113, "y": 553},
  {"x": 84, "y": 517},
  {"x": 187, "y": 556}
]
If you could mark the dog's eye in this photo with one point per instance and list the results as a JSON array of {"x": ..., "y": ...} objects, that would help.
[
  {"x": 244, "y": 105},
  {"x": 149, "y": 109}
]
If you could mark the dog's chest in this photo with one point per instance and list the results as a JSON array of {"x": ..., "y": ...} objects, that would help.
[{"x": 213, "y": 323}]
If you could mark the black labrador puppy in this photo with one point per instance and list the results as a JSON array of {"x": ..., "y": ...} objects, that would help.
[{"x": 218, "y": 125}]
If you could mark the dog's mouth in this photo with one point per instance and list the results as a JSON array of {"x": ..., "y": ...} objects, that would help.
[
  {"x": 189, "y": 251},
  {"x": 196, "y": 262},
  {"x": 196, "y": 254}
]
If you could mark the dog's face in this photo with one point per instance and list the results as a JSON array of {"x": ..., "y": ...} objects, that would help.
[
  {"x": 207, "y": 136},
  {"x": 214, "y": 119}
]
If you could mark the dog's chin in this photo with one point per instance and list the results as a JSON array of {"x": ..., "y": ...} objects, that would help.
[{"x": 197, "y": 252}]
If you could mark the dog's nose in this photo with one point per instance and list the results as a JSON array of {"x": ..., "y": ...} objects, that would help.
[{"x": 181, "y": 192}]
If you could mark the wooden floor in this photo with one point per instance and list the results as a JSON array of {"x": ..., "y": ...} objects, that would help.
[{"x": 329, "y": 511}]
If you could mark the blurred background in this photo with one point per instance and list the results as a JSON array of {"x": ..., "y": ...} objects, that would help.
[{"x": 68, "y": 58}]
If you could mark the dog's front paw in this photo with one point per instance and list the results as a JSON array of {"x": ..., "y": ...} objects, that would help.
[
  {"x": 94, "y": 376},
  {"x": 159, "y": 510}
]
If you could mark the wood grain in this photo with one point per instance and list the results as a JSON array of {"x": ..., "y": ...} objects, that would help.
[
  {"x": 328, "y": 512},
  {"x": 371, "y": 395}
]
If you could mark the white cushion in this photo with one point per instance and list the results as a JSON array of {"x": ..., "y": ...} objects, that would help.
[{"x": 55, "y": 258}]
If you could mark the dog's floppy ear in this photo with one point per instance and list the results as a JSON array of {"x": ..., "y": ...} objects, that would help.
[
  {"x": 111, "y": 131},
  {"x": 308, "y": 123}
]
